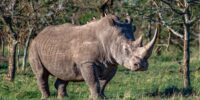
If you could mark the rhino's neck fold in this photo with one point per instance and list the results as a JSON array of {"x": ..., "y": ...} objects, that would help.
[
  {"x": 112, "y": 42},
  {"x": 116, "y": 49}
]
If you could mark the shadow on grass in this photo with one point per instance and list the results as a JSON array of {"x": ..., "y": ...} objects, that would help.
[{"x": 171, "y": 91}]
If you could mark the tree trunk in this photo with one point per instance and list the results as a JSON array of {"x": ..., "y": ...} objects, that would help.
[
  {"x": 17, "y": 61},
  {"x": 3, "y": 47},
  {"x": 168, "y": 41},
  {"x": 12, "y": 61},
  {"x": 72, "y": 18},
  {"x": 186, "y": 54},
  {"x": 26, "y": 49},
  {"x": 199, "y": 45}
]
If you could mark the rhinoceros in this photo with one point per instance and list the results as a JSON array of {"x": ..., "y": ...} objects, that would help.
[{"x": 90, "y": 53}]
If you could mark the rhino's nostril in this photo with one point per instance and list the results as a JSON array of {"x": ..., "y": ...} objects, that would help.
[{"x": 135, "y": 64}]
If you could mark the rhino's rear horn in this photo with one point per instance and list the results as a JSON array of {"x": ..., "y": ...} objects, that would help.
[{"x": 138, "y": 42}]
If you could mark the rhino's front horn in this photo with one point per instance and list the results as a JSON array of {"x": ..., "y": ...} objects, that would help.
[
  {"x": 138, "y": 42},
  {"x": 149, "y": 47}
]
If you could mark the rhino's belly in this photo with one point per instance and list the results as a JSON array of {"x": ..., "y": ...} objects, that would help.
[
  {"x": 62, "y": 68},
  {"x": 67, "y": 73}
]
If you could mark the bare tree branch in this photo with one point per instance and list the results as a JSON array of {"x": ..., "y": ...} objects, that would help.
[
  {"x": 174, "y": 32},
  {"x": 175, "y": 9},
  {"x": 168, "y": 27},
  {"x": 164, "y": 24},
  {"x": 194, "y": 33},
  {"x": 192, "y": 21},
  {"x": 11, "y": 6},
  {"x": 194, "y": 2},
  {"x": 105, "y": 8},
  {"x": 8, "y": 21}
]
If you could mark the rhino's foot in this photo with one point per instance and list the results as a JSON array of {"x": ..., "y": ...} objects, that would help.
[
  {"x": 45, "y": 97},
  {"x": 98, "y": 97},
  {"x": 94, "y": 97},
  {"x": 61, "y": 95},
  {"x": 103, "y": 96}
]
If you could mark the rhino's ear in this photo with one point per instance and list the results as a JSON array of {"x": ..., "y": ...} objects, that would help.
[
  {"x": 138, "y": 42},
  {"x": 128, "y": 20}
]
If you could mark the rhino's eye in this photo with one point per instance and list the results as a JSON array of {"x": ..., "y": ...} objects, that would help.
[
  {"x": 127, "y": 51},
  {"x": 137, "y": 57}
]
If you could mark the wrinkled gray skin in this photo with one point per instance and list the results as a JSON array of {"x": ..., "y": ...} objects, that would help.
[{"x": 87, "y": 53}]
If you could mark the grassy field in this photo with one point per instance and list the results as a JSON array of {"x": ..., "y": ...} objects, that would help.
[{"x": 163, "y": 81}]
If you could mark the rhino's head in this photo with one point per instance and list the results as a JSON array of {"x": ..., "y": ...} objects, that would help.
[{"x": 136, "y": 55}]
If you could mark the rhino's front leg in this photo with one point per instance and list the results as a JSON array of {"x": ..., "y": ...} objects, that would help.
[
  {"x": 108, "y": 75},
  {"x": 88, "y": 72}
]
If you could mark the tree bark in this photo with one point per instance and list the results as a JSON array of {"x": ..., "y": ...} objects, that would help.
[
  {"x": 18, "y": 60},
  {"x": 186, "y": 54},
  {"x": 168, "y": 41},
  {"x": 12, "y": 61},
  {"x": 3, "y": 47},
  {"x": 199, "y": 45},
  {"x": 26, "y": 49},
  {"x": 72, "y": 18}
]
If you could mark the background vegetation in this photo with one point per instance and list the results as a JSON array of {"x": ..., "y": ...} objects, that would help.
[{"x": 20, "y": 21}]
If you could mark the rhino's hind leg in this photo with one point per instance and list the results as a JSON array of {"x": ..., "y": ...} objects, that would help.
[
  {"x": 104, "y": 80},
  {"x": 40, "y": 72},
  {"x": 42, "y": 81},
  {"x": 42, "y": 77},
  {"x": 90, "y": 77},
  {"x": 60, "y": 86}
]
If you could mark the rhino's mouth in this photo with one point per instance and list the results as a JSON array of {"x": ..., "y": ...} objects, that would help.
[
  {"x": 142, "y": 69},
  {"x": 139, "y": 68},
  {"x": 136, "y": 67}
]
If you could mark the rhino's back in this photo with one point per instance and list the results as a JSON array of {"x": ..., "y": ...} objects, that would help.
[{"x": 62, "y": 48}]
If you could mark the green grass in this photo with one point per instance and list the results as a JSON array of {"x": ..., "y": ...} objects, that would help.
[{"x": 163, "y": 80}]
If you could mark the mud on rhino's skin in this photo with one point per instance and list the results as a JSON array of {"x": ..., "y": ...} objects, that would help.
[{"x": 89, "y": 53}]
